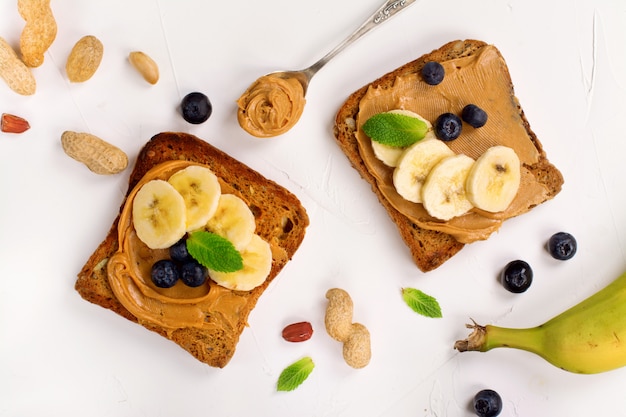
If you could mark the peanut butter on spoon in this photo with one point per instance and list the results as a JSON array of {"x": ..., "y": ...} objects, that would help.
[
  {"x": 271, "y": 106},
  {"x": 274, "y": 103}
]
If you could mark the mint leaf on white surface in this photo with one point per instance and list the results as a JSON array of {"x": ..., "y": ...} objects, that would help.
[
  {"x": 421, "y": 303},
  {"x": 295, "y": 374},
  {"x": 214, "y": 251},
  {"x": 394, "y": 129}
]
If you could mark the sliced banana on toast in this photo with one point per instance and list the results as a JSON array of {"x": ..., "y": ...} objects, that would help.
[
  {"x": 490, "y": 183},
  {"x": 257, "y": 264},
  {"x": 159, "y": 214},
  {"x": 414, "y": 166},
  {"x": 493, "y": 181},
  {"x": 390, "y": 155},
  {"x": 443, "y": 192},
  {"x": 191, "y": 199},
  {"x": 233, "y": 220},
  {"x": 200, "y": 190}
]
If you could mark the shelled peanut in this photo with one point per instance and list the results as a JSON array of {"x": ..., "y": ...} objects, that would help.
[
  {"x": 10, "y": 123},
  {"x": 298, "y": 332},
  {"x": 145, "y": 65}
]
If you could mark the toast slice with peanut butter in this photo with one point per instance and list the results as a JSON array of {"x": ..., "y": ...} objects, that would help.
[
  {"x": 475, "y": 73},
  {"x": 208, "y": 322}
]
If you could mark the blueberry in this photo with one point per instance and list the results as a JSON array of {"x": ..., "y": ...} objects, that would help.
[
  {"x": 474, "y": 115},
  {"x": 562, "y": 246},
  {"x": 164, "y": 273},
  {"x": 487, "y": 403},
  {"x": 448, "y": 127},
  {"x": 517, "y": 276},
  {"x": 193, "y": 274},
  {"x": 178, "y": 251},
  {"x": 433, "y": 73},
  {"x": 196, "y": 108}
]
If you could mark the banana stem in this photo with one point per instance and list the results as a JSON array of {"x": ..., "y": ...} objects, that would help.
[{"x": 484, "y": 338}]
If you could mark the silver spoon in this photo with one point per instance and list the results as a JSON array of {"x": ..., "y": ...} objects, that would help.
[{"x": 387, "y": 10}]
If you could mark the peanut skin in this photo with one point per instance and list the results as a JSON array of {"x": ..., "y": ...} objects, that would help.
[
  {"x": 354, "y": 336},
  {"x": 99, "y": 156},
  {"x": 38, "y": 33},
  {"x": 15, "y": 73}
]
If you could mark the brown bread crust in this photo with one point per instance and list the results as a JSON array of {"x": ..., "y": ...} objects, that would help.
[
  {"x": 429, "y": 249},
  {"x": 281, "y": 220}
]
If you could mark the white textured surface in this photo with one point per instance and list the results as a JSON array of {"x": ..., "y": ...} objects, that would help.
[{"x": 60, "y": 355}]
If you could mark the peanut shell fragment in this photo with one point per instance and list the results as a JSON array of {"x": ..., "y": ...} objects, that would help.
[
  {"x": 84, "y": 59},
  {"x": 146, "y": 66},
  {"x": 38, "y": 33},
  {"x": 98, "y": 155},
  {"x": 15, "y": 73}
]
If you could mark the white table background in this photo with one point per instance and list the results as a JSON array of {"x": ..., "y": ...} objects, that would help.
[{"x": 61, "y": 356}]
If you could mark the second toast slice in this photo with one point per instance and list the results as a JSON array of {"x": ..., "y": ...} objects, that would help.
[{"x": 473, "y": 68}]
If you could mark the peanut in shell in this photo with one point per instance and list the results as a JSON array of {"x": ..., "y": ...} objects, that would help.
[
  {"x": 15, "y": 73},
  {"x": 38, "y": 33},
  {"x": 98, "y": 155},
  {"x": 84, "y": 59}
]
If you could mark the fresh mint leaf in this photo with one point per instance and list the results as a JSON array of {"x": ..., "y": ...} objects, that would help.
[
  {"x": 395, "y": 129},
  {"x": 295, "y": 374},
  {"x": 421, "y": 303},
  {"x": 214, "y": 251}
]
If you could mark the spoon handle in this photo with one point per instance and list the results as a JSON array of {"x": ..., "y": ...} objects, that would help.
[{"x": 386, "y": 11}]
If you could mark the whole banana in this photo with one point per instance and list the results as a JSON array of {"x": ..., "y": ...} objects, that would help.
[{"x": 588, "y": 338}]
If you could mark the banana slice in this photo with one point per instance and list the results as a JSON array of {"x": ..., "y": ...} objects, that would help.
[
  {"x": 390, "y": 155},
  {"x": 415, "y": 164},
  {"x": 443, "y": 192},
  {"x": 257, "y": 264},
  {"x": 159, "y": 214},
  {"x": 233, "y": 220},
  {"x": 200, "y": 190},
  {"x": 493, "y": 181}
]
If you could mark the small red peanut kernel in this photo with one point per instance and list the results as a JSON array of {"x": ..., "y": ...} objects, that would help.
[
  {"x": 10, "y": 123},
  {"x": 298, "y": 332}
]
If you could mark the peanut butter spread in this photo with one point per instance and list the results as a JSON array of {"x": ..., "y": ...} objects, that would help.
[
  {"x": 271, "y": 106},
  {"x": 207, "y": 306},
  {"x": 480, "y": 79}
]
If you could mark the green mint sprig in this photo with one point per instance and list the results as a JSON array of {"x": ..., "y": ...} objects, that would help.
[
  {"x": 214, "y": 251},
  {"x": 421, "y": 303},
  {"x": 395, "y": 129},
  {"x": 295, "y": 374}
]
